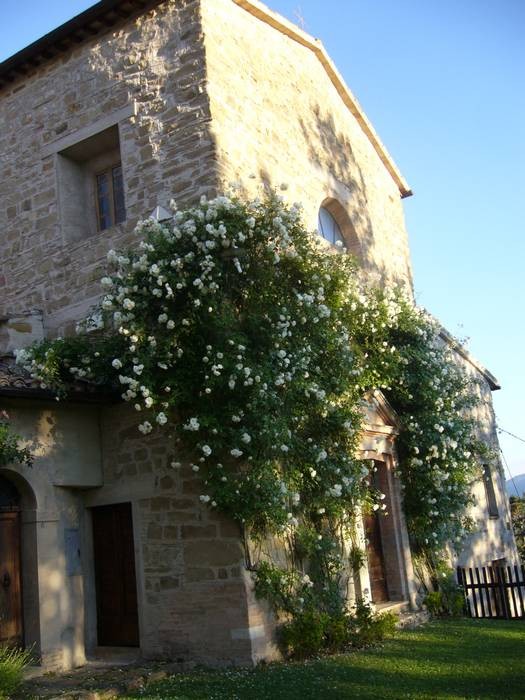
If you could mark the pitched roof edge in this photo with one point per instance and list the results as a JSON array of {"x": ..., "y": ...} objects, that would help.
[
  {"x": 456, "y": 345},
  {"x": 262, "y": 12}
]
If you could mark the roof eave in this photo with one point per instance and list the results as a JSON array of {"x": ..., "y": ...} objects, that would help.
[
  {"x": 35, "y": 394},
  {"x": 96, "y": 20}
]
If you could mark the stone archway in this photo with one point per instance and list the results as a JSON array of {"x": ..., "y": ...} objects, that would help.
[
  {"x": 388, "y": 576},
  {"x": 374, "y": 525},
  {"x": 19, "y": 604}
]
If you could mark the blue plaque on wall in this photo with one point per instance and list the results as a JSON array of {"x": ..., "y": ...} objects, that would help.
[{"x": 73, "y": 563}]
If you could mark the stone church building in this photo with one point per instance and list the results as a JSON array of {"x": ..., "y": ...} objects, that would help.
[{"x": 133, "y": 102}]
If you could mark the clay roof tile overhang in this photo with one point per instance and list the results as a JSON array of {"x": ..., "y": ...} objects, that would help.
[
  {"x": 106, "y": 14},
  {"x": 17, "y": 384},
  {"x": 96, "y": 20}
]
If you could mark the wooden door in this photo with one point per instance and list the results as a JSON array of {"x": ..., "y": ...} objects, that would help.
[
  {"x": 376, "y": 560},
  {"x": 11, "y": 629},
  {"x": 116, "y": 588}
]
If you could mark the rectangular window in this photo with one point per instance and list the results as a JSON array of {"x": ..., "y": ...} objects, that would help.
[
  {"x": 118, "y": 195},
  {"x": 110, "y": 198},
  {"x": 489, "y": 492}
]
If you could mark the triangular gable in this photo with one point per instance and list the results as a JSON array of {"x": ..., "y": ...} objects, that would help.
[{"x": 381, "y": 426}]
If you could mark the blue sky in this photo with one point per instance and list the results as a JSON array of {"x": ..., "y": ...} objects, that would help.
[{"x": 443, "y": 83}]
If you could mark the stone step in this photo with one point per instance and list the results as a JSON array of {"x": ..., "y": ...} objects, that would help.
[
  {"x": 396, "y": 606},
  {"x": 408, "y": 618},
  {"x": 413, "y": 618},
  {"x": 114, "y": 656}
]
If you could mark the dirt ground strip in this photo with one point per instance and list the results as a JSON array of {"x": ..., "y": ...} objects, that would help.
[{"x": 97, "y": 681}]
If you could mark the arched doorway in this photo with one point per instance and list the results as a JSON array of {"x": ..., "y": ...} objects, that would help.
[
  {"x": 373, "y": 528},
  {"x": 388, "y": 576},
  {"x": 11, "y": 615}
]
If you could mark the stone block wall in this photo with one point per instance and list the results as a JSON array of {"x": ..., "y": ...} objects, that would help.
[
  {"x": 190, "y": 122},
  {"x": 154, "y": 66},
  {"x": 277, "y": 116},
  {"x": 192, "y": 588},
  {"x": 20, "y": 332},
  {"x": 162, "y": 79},
  {"x": 195, "y": 598},
  {"x": 493, "y": 538}
]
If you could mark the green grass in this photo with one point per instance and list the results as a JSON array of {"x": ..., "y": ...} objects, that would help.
[
  {"x": 12, "y": 664},
  {"x": 443, "y": 660}
]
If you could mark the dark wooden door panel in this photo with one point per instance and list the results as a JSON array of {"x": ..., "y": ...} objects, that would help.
[
  {"x": 376, "y": 561},
  {"x": 116, "y": 588},
  {"x": 11, "y": 629}
]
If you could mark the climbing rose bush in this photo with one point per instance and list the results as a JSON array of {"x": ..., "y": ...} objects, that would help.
[
  {"x": 10, "y": 451},
  {"x": 255, "y": 344}
]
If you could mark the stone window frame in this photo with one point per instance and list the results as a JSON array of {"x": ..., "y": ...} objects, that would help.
[
  {"x": 73, "y": 230},
  {"x": 348, "y": 232},
  {"x": 328, "y": 227}
]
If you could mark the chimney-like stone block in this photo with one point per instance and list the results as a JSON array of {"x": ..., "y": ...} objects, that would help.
[{"x": 20, "y": 331}]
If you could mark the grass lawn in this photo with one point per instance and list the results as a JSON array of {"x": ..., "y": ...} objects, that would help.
[{"x": 452, "y": 659}]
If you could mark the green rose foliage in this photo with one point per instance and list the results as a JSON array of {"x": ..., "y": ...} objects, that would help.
[
  {"x": 439, "y": 451},
  {"x": 313, "y": 631},
  {"x": 254, "y": 343},
  {"x": 10, "y": 452},
  {"x": 13, "y": 662}
]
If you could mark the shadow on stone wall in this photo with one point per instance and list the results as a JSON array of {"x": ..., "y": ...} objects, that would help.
[{"x": 332, "y": 151}]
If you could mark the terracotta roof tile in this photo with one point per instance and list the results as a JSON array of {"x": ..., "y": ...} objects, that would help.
[
  {"x": 17, "y": 383},
  {"x": 13, "y": 377}
]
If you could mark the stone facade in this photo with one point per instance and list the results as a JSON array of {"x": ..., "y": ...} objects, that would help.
[
  {"x": 166, "y": 87},
  {"x": 299, "y": 130},
  {"x": 166, "y": 81},
  {"x": 190, "y": 559},
  {"x": 148, "y": 77},
  {"x": 492, "y": 539}
]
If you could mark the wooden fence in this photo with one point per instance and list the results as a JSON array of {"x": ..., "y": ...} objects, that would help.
[{"x": 494, "y": 591}]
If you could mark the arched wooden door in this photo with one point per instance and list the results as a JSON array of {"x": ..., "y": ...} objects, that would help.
[
  {"x": 11, "y": 624},
  {"x": 375, "y": 551},
  {"x": 376, "y": 559}
]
